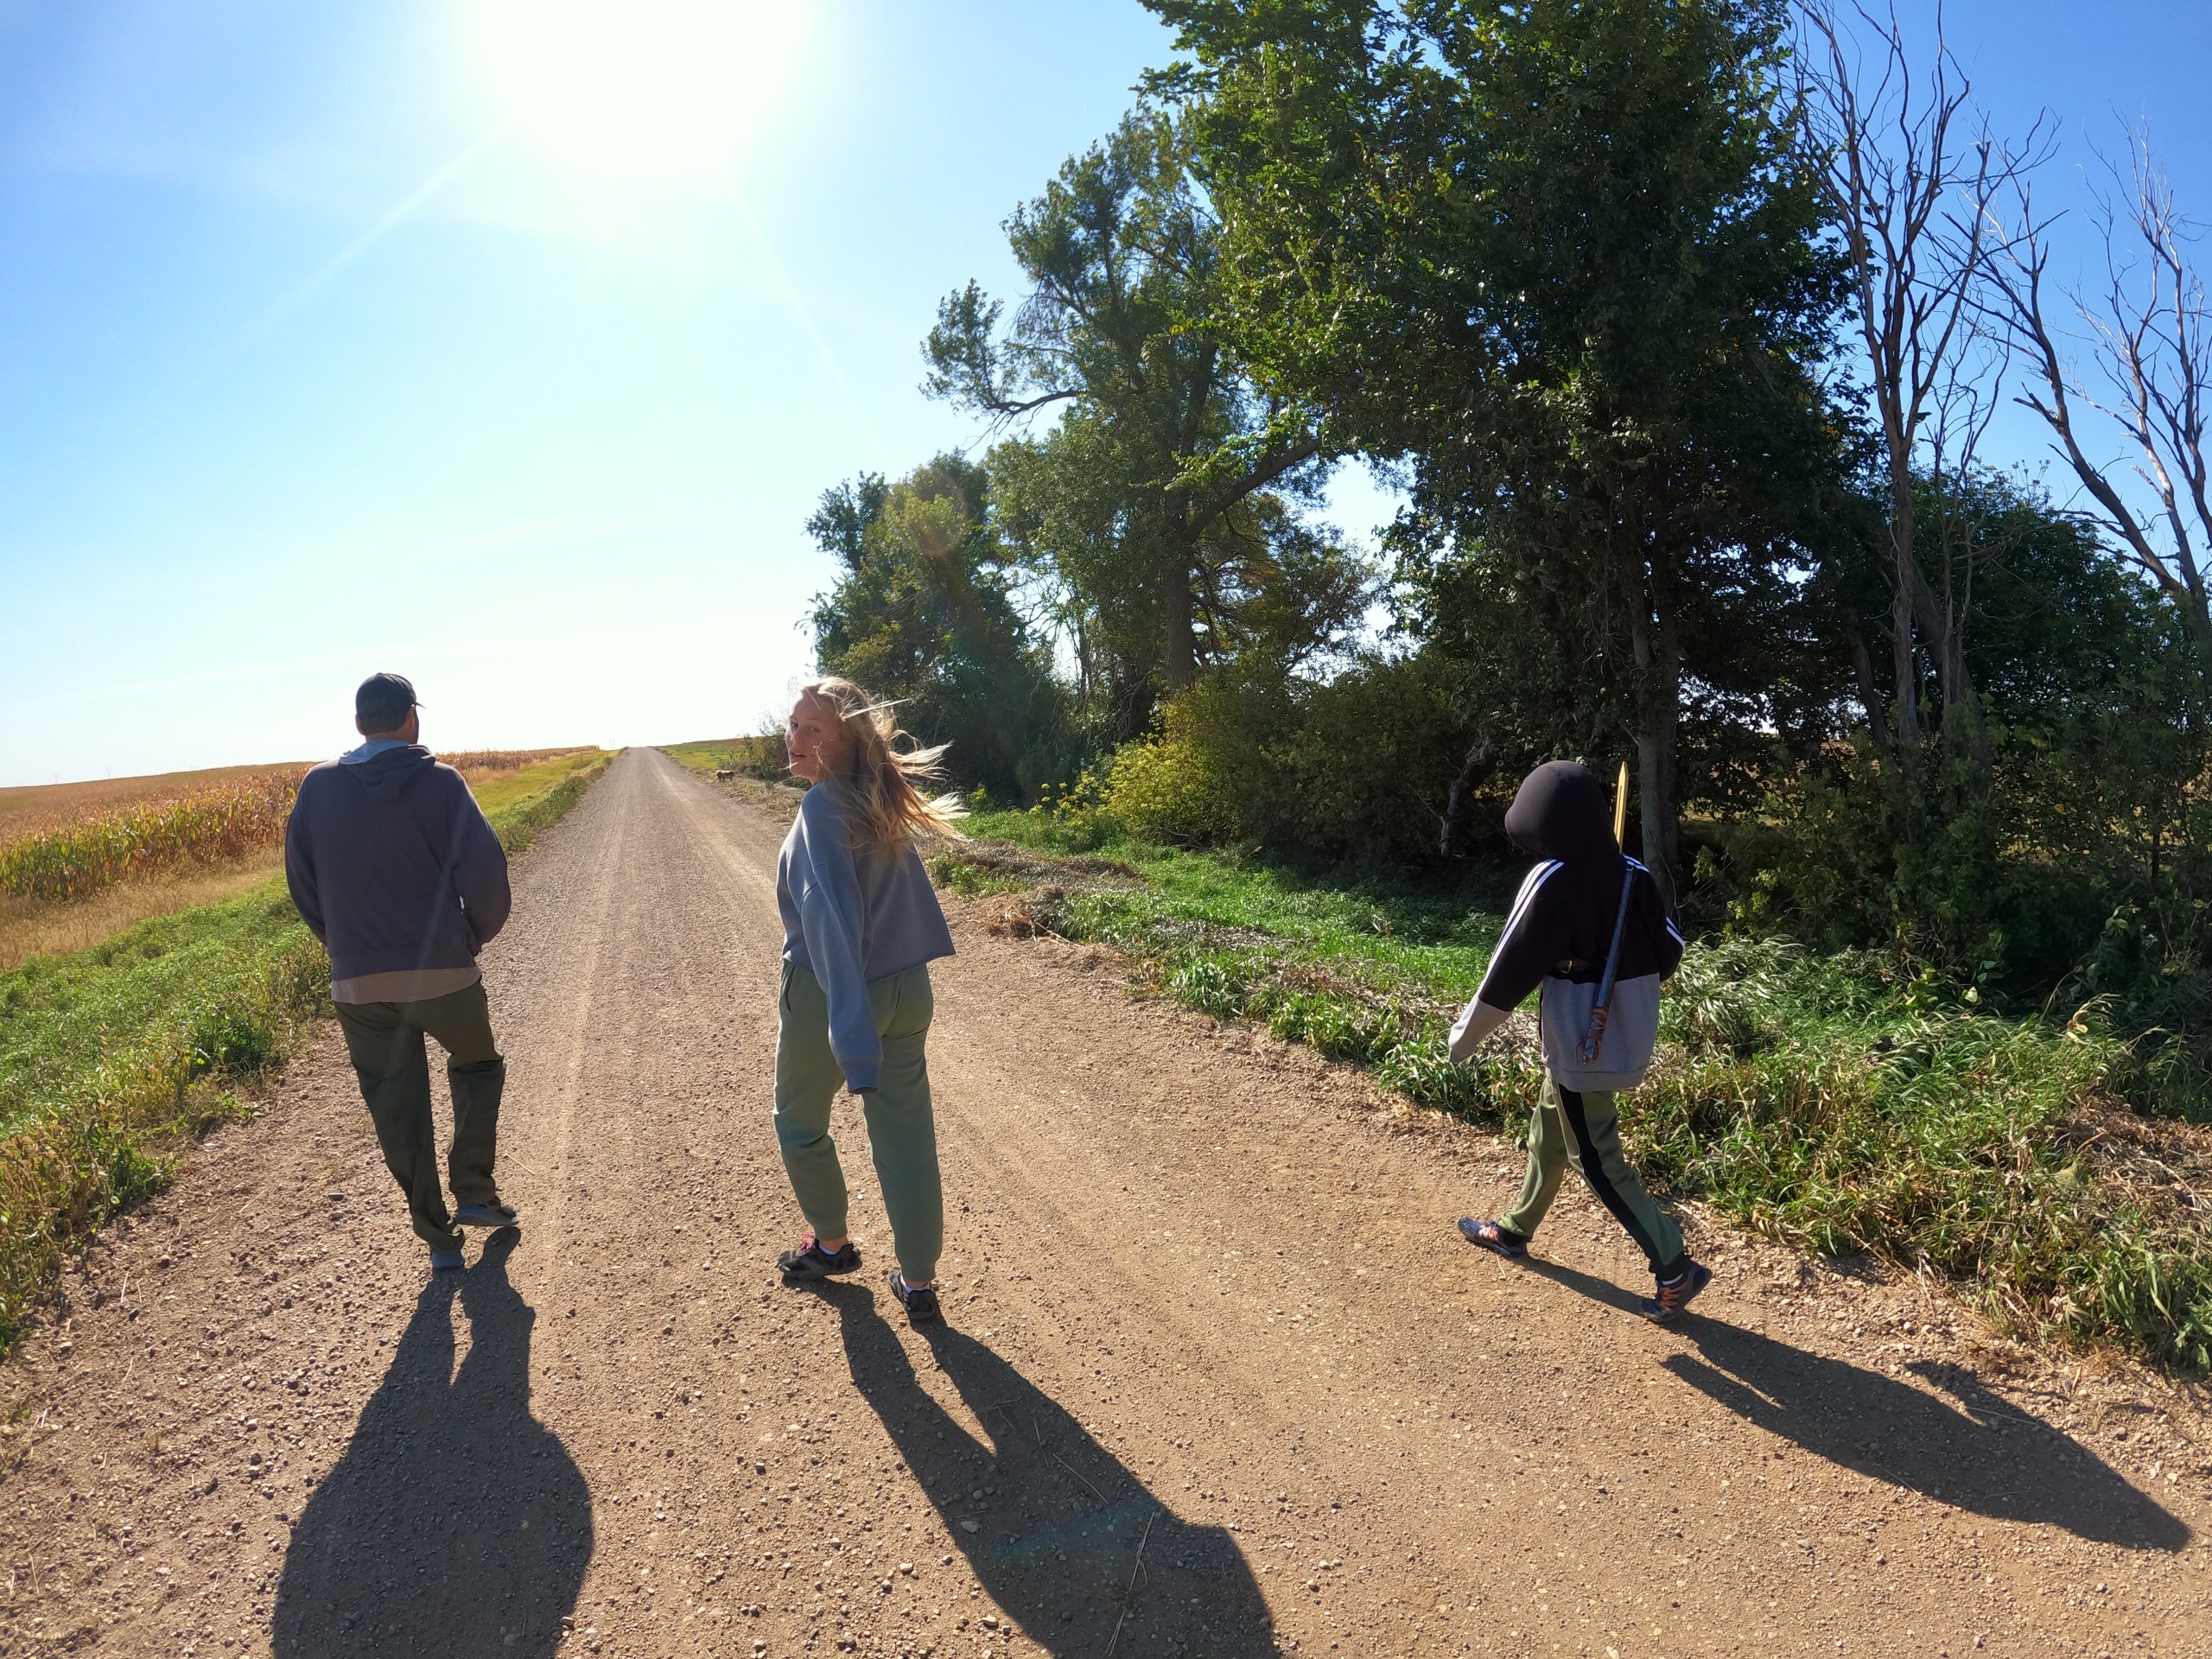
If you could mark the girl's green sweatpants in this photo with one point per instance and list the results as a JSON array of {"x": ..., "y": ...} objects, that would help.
[{"x": 901, "y": 1129}]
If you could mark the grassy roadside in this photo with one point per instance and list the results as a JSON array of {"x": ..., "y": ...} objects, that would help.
[
  {"x": 751, "y": 757},
  {"x": 113, "y": 1058},
  {"x": 1819, "y": 1100}
]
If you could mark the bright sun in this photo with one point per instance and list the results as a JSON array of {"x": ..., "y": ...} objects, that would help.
[{"x": 640, "y": 89}]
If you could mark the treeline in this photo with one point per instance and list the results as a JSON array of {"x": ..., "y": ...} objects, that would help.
[{"x": 1682, "y": 329}]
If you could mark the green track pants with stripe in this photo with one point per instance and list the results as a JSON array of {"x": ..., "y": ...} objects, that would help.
[{"x": 1567, "y": 1127}]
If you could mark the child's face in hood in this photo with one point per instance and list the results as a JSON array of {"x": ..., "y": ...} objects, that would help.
[{"x": 1561, "y": 812}]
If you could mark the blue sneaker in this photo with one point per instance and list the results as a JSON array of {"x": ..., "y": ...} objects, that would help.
[
  {"x": 447, "y": 1261},
  {"x": 493, "y": 1214},
  {"x": 1673, "y": 1294}
]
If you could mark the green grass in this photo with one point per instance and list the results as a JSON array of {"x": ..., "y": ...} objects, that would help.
[
  {"x": 112, "y": 1059},
  {"x": 1817, "y": 1100}
]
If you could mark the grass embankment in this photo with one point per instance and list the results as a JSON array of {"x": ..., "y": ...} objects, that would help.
[
  {"x": 1819, "y": 1100},
  {"x": 112, "y": 1057},
  {"x": 758, "y": 756}
]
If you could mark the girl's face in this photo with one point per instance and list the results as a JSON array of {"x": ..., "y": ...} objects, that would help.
[{"x": 813, "y": 739}]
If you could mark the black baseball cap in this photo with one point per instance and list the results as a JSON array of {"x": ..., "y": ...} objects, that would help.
[{"x": 384, "y": 697}]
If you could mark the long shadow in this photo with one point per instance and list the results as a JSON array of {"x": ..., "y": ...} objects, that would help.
[
  {"x": 455, "y": 1522},
  {"x": 1059, "y": 1523},
  {"x": 1982, "y": 1454}
]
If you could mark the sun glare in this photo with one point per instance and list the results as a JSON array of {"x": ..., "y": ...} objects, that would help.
[{"x": 640, "y": 89}]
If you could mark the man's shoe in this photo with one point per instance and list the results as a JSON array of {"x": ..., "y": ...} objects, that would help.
[
  {"x": 493, "y": 1214},
  {"x": 810, "y": 1260},
  {"x": 1674, "y": 1296},
  {"x": 447, "y": 1261},
  {"x": 919, "y": 1300}
]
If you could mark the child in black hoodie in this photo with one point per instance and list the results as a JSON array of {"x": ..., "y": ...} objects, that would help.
[{"x": 1559, "y": 932}]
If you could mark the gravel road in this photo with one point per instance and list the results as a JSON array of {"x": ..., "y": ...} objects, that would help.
[{"x": 1218, "y": 1377}]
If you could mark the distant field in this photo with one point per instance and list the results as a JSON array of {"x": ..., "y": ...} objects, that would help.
[
  {"x": 78, "y": 861},
  {"x": 29, "y": 809}
]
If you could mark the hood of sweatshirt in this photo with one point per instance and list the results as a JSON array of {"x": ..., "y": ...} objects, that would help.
[
  {"x": 387, "y": 775},
  {"x": 1561, "y": 812}
]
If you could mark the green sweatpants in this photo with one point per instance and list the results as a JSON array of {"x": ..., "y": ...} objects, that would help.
[
  {"x": 385, "y": 1041},
  {"x": 901, "y": 1128},
  {"x": 1582, "y": 1129}
]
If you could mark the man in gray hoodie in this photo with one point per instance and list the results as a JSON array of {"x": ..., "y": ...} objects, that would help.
[{"x": 395, "y": 869}]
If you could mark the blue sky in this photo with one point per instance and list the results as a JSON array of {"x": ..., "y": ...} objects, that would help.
[{"x": 385, "y": 335}]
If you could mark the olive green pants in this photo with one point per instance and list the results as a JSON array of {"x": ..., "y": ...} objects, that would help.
[
  {"x": 901, "y": 1128},
  {"x": 1567, "y": 1127},
  {"x": 385, "y": 1041}
]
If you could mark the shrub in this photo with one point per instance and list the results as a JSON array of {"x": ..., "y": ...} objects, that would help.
[{"x": 1212, "y": 774}]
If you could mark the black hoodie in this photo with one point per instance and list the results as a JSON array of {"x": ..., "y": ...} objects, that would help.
[
  {"x": 1562, "y": 920},
  {"x": 392, "y": 865}
]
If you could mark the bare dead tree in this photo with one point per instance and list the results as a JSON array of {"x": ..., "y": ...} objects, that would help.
[
  {"x": 2139, "y": 359},
  {"x": 1909, "y": 173}
]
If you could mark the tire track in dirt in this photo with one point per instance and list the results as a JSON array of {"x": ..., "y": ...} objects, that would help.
[{"x": 1209, "y": 1335}]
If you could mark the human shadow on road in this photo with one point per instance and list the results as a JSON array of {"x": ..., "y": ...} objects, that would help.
[
  {"x": 1983, "y": 1453},
  {"x": 455, "y": 1522},
  {"x": 1059, "y": 1523}
]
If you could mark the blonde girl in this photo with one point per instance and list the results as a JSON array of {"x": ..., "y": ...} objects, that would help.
[{"x": 861, "y": 925}]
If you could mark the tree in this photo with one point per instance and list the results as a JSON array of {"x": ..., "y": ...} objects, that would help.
[
  {"x": 1167, "y": 496},
  {"x": 1909, "y": 193},
  {"x": 1558, "y": 257},
  {"x": 2148, "y": 373},
  {"x": 925, "y": 614}
]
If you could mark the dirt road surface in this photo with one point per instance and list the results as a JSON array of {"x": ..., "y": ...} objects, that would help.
[{"x": 1217, "y": 1380}]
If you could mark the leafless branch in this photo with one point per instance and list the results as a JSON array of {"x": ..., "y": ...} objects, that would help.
[
  {"x": 1910, "y": 188},
  {"x": 2139, "y": 356}
]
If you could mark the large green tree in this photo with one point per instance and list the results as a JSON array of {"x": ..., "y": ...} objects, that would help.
[
  {"x": 925, "y": 611},
  {"x": 1561, "y": 258},
  {"x": 1168, "y": 499}
]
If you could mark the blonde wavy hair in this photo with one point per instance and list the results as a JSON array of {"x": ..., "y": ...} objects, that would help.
[{"x": 882, "y": 776}]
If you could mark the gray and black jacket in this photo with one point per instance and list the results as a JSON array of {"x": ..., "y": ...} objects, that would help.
[{"x": 1561, "y": 922}]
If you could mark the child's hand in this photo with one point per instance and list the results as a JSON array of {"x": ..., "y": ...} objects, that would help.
[{"x": 1476, "y": 1021}]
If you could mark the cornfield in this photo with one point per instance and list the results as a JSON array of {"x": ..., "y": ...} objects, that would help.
[
  {"x": 214, "y": 824},
  {"x": 208, "y": 826}
]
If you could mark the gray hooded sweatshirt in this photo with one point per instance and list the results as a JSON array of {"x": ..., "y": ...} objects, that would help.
[{"x": 394, "y": 867}]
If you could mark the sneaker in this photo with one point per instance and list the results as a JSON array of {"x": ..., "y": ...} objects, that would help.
[
  {"x": 1667, "y": 1306},
  {"x": 446, "y": 1261},
  {"x": 810, "y": 1260},
  {"x": 493, "y": 1214},
  {"x": 919, "y": 1300},
  {"x": 1491, "y": 1236}
]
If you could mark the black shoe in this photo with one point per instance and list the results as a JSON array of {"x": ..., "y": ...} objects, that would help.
[
  {"x": 1667, "y": 1306},
  {"x": 1493, "y": 1236},
  {"x": 919, "y": 1300},
  {"x": 810, "y": 1260}
]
